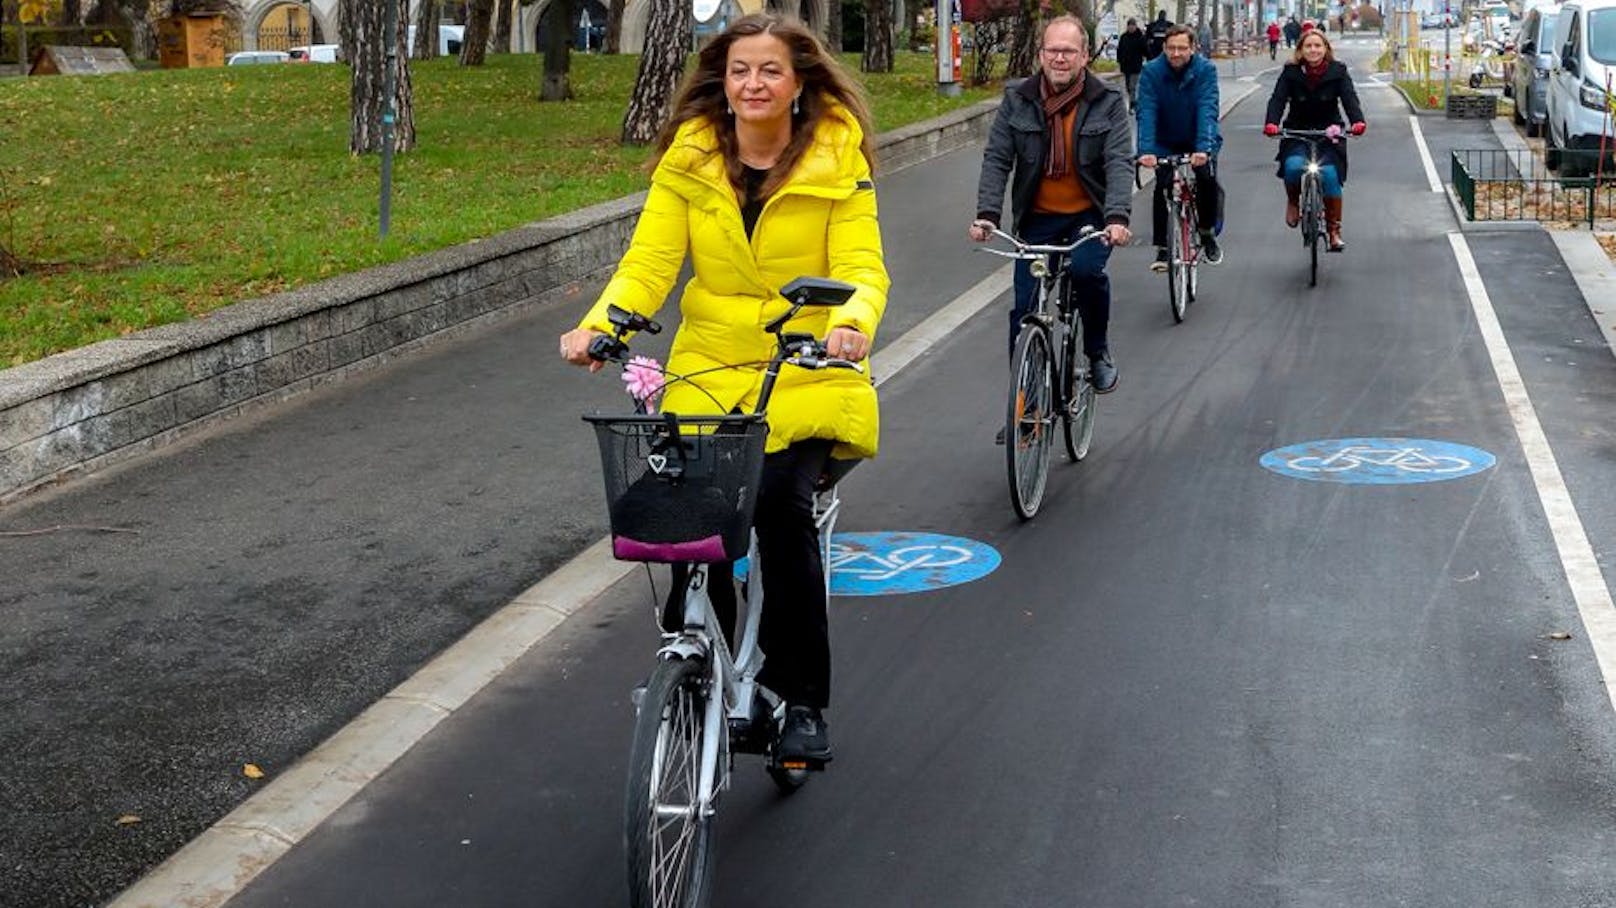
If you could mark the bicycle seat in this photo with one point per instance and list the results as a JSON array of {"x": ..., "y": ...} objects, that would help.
[{"x": 835, "y": 469}]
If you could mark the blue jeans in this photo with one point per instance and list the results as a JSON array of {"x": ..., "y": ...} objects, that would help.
[
  {"x": 1091, "y": 287},
  {"x": 1296, "y": 163}
]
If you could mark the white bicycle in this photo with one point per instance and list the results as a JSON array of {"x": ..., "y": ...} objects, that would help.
[{"x": 681, "y": 490}]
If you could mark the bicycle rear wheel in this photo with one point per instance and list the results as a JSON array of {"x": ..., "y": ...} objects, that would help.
[
  {"x": 1177, "y": 273},
  {"x": 1028, "y": 427},
  {"x": 667, "y": 835},
  {"x": 1077, "y": 419}
]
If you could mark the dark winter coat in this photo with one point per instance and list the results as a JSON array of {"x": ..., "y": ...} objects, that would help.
[
  {"x": 1319, "y": 107},
  {"x": 1131, "y": 51},
  {"x": 1156, "y": 37},
  {"x": 1017, "y": 145}
]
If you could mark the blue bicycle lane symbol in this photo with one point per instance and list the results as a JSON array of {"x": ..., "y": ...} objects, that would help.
[
  {"x": 881, "y": 564},
  {"x": 1377, "y": 461}
]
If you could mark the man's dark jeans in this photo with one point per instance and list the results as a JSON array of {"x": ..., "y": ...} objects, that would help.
[{"x": 1091, "y": 287}]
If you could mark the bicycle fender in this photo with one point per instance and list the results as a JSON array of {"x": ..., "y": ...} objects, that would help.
[{"x": 685, "y": 647}]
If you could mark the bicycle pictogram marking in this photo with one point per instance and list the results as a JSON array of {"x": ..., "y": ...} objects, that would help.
[
  {"x": 880, "y": 564},
  {"x": 1377, "y": 461}
]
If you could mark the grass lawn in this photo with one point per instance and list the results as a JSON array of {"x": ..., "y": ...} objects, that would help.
[{"x": 159, "y": 196}]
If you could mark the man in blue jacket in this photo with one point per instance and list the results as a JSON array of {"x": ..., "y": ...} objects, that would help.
[{"x": 1178, "y": 114}]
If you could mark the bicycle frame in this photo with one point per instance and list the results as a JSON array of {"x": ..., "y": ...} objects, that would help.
[
  {"x": 1045, "y": 372},
  {"x": 734, "y": 676}
]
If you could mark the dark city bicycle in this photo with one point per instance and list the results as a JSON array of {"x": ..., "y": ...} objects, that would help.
[
  {"x": 1049, "y": 375},
  {"x": 1311, "y": 205}
]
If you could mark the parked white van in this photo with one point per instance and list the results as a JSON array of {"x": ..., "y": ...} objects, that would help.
[
  {"x": 1579, "y": 108},
  {"x": 449, "y": 39}
]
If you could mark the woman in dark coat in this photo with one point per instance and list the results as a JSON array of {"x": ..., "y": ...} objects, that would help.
[{"x": 1317, "y": 90}]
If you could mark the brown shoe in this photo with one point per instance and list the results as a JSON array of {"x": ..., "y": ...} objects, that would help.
[
  {"x": 1332, "y": 224},
  {"x": 1293, "y": 206}
]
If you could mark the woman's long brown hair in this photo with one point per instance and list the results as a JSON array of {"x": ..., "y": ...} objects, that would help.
[{"x": 821, "y": 77}]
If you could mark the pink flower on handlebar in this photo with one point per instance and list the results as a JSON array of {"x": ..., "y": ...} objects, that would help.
[{"x": 643, "y": 379}]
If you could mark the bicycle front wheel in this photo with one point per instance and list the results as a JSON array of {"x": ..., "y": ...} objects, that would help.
[
  {"x": 1077, "y": 420},
  {"x": 1028, "y": 420},
  {"x": 1312, "y": 227},
  {"x": 1178, "y": 285},
  {"x": 666, "y": 830}
]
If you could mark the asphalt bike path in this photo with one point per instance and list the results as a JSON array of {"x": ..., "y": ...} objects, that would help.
[{"x": 1190, "y": 680}]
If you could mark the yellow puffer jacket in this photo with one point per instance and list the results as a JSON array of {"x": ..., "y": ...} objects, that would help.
[{"x": 821, "y": 222}]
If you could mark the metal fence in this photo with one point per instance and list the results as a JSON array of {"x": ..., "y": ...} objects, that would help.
[
  {"x": 1513, "y": 185},
  {"x": 283, "y": 38}
]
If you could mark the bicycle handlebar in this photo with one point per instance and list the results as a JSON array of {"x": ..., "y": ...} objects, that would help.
[
  {"x": 1034, "y": 250},
  {"x": 1312, "y": 134}
]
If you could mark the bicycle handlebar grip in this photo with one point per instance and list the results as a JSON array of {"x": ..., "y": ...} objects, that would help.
[{"x": 604, "y": 348}]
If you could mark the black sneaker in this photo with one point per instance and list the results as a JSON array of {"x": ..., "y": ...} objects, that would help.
[
  {"x": 803, "y": 736},
  {"x": 1211, "y": 253},
  {"x": 1160, "y": 264},
  {"x": 1102, "y": 373}
]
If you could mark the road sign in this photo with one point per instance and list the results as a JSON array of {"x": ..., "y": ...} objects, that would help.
[{"x": 1377, "y": 461}]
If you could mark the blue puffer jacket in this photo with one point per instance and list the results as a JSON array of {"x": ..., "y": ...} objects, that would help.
[{"x": 1178, "y": 112}]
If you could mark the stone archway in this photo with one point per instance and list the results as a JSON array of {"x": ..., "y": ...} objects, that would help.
[{"x": 279, "y": 24}]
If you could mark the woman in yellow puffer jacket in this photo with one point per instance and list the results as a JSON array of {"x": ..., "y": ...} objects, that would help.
[{"x": 764, "y": 175}]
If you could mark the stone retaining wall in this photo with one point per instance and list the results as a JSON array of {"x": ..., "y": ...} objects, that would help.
[{"x": 83, "y": 409}]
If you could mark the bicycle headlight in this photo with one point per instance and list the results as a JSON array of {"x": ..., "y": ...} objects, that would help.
[
  {"x": 1312, "y": 167},
  {"x": 1040, "y": 268}
]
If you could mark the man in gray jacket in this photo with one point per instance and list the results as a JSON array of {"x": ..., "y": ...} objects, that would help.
[{"x": 1063, "y": 141}]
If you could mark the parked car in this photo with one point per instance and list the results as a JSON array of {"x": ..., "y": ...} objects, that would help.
[
  {"x": 1529, "y": 77},
  {"x": 1579, "y": 108},
  {"x": 316, "y": 53},
  {"x": 254, "y": 57}
]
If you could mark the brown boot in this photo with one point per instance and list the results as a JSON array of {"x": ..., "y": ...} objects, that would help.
[
  {"x": 1293, "y": 205},
  {"x": 1332, "y": 223}
]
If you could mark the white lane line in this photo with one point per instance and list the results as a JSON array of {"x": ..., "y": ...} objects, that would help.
[
  {"x": 888, "y": 361},
  {"x": 1588, "y": 589},
  {"x": 1425, "y": 155}
]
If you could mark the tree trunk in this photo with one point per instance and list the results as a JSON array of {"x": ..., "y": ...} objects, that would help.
[
  {"x": 667, "y": 42},
  {"x": 614, "y": 27},
  {"x": 833, "y": 26},
  {"x": 877, "y": 37},
  {"x": 502, "y": 28},
  {"x": 558, "y": 20},
  {"x": 808, "y": 12},
  {"x": 1024, "y": 42},
  {"x": 480, "y": 15},
  {"x": 362, "y": 27},
  {"x": 428, "y": 16}
]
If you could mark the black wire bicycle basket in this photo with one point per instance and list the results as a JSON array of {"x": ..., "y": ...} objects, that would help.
[{"x": 681, "y": 488}]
